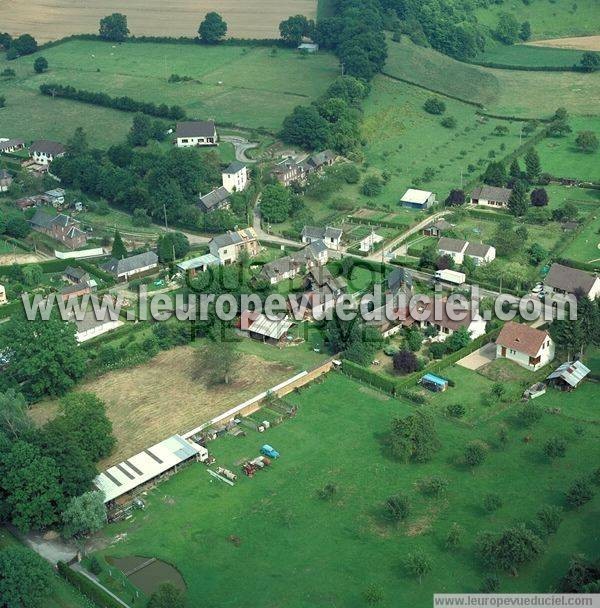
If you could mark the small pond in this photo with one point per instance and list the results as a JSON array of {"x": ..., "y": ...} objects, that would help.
[{"x": 147, "y": 573}]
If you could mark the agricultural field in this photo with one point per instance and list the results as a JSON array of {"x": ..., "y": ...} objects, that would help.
[
  {"x": 407, "y": 142},
  {"x": 52, "y": 19},
  {"x": 247, "y": 86},
  {"x": 170, "y": 394},
  {"x": 525, "y": 55},
  {"x": 548, "y": 18},
  {"x": 585, "y": 43},
  {"x": 299, "y": 550},
  {"x": 505, "y": 92}
]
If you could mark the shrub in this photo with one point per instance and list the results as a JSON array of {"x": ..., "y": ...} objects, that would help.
[
  {"x": 449, "y": 122},
  {"x": 580, "y": 492},
  {"x": 434, "y": 105},
  {"x": 433, "y": 486},
  {"x": 530, "y": 414},
  {"x": 371, "y": 186},
  {"x": 492, "y": 502},
  {"x": 327, "y": 492},
  {"x": 475, "y": 453},
  {"x": 406, "y": 362},
  {"x": 397, "y": 507},
  {"x": 490, "y": 584},
  {"x": 456, "y": 410},
  {"x": 550, "y": 517},
  {"x": 555, "y": 447}
]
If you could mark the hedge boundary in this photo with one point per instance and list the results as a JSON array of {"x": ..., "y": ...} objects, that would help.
[{"x": 85, "y": 586}]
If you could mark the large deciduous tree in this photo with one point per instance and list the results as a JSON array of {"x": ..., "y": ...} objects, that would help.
[
  {"x": 25, "y": 578},
  {"x": 114, "y": 27},
  {"x": 509, "y": 549},
  {"x": 212, "y": 29},
  {"x": 295, "y": 28},
  {"x": 83, "y": 515},
  {"x": 414, "y": 437}
]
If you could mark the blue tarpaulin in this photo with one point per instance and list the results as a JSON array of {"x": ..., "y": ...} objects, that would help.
[{"x": 434, "y": 382}]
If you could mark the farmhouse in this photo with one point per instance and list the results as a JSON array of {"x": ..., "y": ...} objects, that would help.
[
  {"x": 28, "y": 202},
  {"x": 228, "y": 247},
  {"x": 258, "y": 326},
  {"x": 437, "y": 228},
  {"x": 321, "y": 292},
  {"x": 75, "y": 274},
  {"x": 199, "y": 264},
  {"x": 390, "y": 322},
  {"x": 3, "y": 298},
  {"x": 235, "y": 177},
  {"x": 453, "y": 248},
  {"x": 417, "y": 199},
  {"x": 6, "y": 180},
  {"x": 290, "y": 266},
  {"x": 332, "y": 237},
  {"x": 568, "y": 375},
  {"x": 193, "y": 133},
  {"x": 529, "y": 347},
  {"x": 148, "y": 466},
  {"x": 61, "y": 227},
  {"x": 564, "y": 280},
  {"x": 11, "y": 145},
  {"x": 215, "y": 200},
  {"x": 287, "y": 172},
  {"x": 132, "y": 266},
  {"x": 44, "y": 151},
  {"x": 491, "y": 196},
  {"x": 76, "y": 290},
  {"x": 319, "y": 160}
]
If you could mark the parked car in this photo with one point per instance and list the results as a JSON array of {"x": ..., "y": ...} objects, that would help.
[{"x": 269, "y": 451}]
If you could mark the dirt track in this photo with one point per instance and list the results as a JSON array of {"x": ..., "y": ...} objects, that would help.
[
  {"x": 583, "y": 43},
  {"x": 52, "y": 19}
]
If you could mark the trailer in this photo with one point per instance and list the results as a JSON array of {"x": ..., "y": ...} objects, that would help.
[{"x": 450, "y": 276}]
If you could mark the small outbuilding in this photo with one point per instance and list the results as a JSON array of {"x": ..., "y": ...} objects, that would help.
[
  {"x": 417, "y": 199},
  {"x": 434, "y": 383},
  {"x": 568, "y": 376}
]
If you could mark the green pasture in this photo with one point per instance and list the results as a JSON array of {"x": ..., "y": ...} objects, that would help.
[
  {"x": 586, "y": 246},
  {"x": 405, "y": 141},
  {"x": 525, "y": 94},
  {"x": 247, "y": 86},
  {"x": 524, "y": 55},
  {"x": 272, "y": 541},
  {"x": 548, "y": 18}
]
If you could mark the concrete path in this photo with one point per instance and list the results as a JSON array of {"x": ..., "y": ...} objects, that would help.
[
  {"x": 241, "y": 145},
  {"x": 91, "y": 577},
  {"x": 479, "y": 358}
]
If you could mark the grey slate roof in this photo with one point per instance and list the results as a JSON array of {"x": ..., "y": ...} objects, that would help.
[
  {"x": 11, "y": 143},
  {"x": 41, "y": 219},
  {"x": 234, "y": 167},
  {"x": 130, "y": 264},
  {"x": 46, "y": 146},
  {"x": 492, "y": 193},
  {"x": 214, "y": 198},
  {"x": 569, "y": 279},
  {"x": 455, "y": 245},
  {"x": 196, "y": 128},
  {"x": 319, "y": 232},
  {"x": 399, "y": 277},
  {"x": 232, "y": 238},
  {"x": 75, "y": 273},
  {"x": 478, "y": 250}
]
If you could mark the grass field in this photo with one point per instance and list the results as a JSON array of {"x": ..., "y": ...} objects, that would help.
[
  {"x": 586, "y": 43},
  {"x": 529, "y": 55},
  {"x": 60, "y": 594},
  {"x": 298, "y": 550},
  {"x": 404, "y": 140},
  {"x": 247, "y": 86},
  {"x": 52, "y": 19},
  {"x": 506, "y": 92},
  {"x": 586, "y": 247},
  {"x": 166, "y": 395},
  {"x": 548, "y": 18}
]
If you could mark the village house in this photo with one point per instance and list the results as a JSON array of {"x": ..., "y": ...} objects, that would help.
[
  {"x": 287, "y": 172},
  {"x": 417, "y": 199},
  {"x": 491, "y": 196},
  {"x": 6, "y": 180},
  {"x": 199, "y": 264},
  {"x": 75, "y": 274},
  {"x": 217, "y": 199},
  {"x": 297, "y": 263},
  {"x": 437, "y": 228},
  {"x": 368, "y": 243},
  {"x": 229, "y": 246},
  {"x": 529, "y": 347},
  {"x": 564, "y": 280},
  {"x": 11, "y": 145},
  {"x": 44, "y": 151},
  {"x": 322, "y": 290},
  {"x": 448, "y": 318},
  {"x": 308, "y": 47},
  {"x": 400, "y": 280},
  {"x": 75, "y": 290},
  {"x": 28, "y": 202},
  {"x": 320, "y": 160},
  {"x": 135, "y": 265},
  {"x": 332, "y": 237},
  {"x": 235, "y": 177},
  {"x": 194, "y": 133},
  {"x": 89, "y": 327},
  {"x": 61, "y": 227},
  {"x": 3, "y": 298},
  {"x": 458, "y": 249}
]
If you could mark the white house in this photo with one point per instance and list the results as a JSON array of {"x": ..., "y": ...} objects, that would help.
[
  {"x": 529, "y": 347},
  {"x": 135, "y": 265},
  {"x": 3, "y": 298},
  {"x": 564, "y": 280},
  {"x": 448, "y": 318},
  {"x": 90, "y": 327},
  {"x": 369, "y": 241},
  {"x": 235, "y": 177},
  {"x": 480, "y": 253},
  {"x": 417, "y": 199},
  {"x": 11, "y": 145},
  {"x": 332, "y": 237},
  {"x": 45, "y": 151},
  {"x": 193, "y": 133},
  {"x": 315, "y": 254},
  {"x": 491, "y": 196},
  {"x": 229, "y": 246},
  {"x": 453, "y": 248}
]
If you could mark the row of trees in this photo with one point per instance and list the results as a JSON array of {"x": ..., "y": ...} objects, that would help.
[{"x": 25, "y": 44}]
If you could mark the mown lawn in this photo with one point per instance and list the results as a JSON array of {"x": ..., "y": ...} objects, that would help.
[
  {"x": 247, "y": 86},
  {"x": 586, "y": 246},
  {"x": 271, "y": 541},
  {"x": 529, "y": 56}
]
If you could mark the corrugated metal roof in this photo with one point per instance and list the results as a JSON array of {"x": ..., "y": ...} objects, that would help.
[
  {"x": 275, "y": 329},
  {"x": 572, "y": 372}
]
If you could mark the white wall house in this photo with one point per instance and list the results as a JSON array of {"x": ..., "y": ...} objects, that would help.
[
  {"x": 3, "y": 298},
  {"x": 127, "y": 268},
  {"x": 529, "y": 347},
  {"x": 491, "y": 196},
  {"x": 454, "y": 248},
  {"x": 448, "y": 318},
  {"x": 332, "y": 237},
  {"x": 564, "y": 280},
  {"x": 235, "y": 177},
  {"x": 194, "y": 133},
  {"x": 45, "y": 151},
  {"x": 481, "y": 253},
  {"x": 228, "y": 247}
]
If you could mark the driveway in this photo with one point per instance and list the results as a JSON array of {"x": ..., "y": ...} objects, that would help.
[
  {"x": 241, "y": 145},
  {"x": 479, "y": 358}
]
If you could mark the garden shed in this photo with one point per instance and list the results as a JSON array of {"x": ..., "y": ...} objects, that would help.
[{"x": 434, "y": 383}]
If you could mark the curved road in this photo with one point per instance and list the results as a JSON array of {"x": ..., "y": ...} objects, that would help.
[{"x": 241, "y": 145}]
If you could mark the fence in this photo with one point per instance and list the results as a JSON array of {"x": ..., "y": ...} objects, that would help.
[{"x": 84, "y": 253}]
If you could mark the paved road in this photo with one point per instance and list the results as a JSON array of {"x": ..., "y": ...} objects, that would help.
[
  {"x": 241, "y": 145},
  {"x": 265, "y": 236}
]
